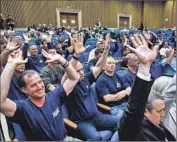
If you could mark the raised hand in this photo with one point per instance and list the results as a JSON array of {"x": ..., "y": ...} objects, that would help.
[
  {"x": 78, "y": 45},
  {"x": 144, "y": 54},
  {"x": 53, "y": 57},
  {"x": 16, "y": 58},
  {"x": 12, "y": 45},
  {"x": 107, "y": 43},
  {"x": 27, "y": 39}
]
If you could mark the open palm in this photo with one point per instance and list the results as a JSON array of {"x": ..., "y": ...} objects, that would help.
[
  {"x": 12, "y": 45},
  {"x": 143, "y": 52}
]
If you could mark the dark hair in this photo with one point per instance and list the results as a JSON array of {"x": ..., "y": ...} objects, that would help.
[
  {"x": 99, "y": 50},
  {"x": 151, "y": 100},
  {"x": 44, "y": 41},
  {"x": 22, "y": 82}
]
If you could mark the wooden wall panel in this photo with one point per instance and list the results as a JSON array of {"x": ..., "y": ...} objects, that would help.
[
  {"x": 153, "y": 14},
  {"x": 44, "y": 11},
  {"x": 168, "y": 14},
  {"x": 174, "y": 14}
]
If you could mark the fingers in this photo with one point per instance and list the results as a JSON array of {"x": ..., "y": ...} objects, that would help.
[
  {"x": 131, "y": 48},
  {"x": 143, "y": 39},
  {"x": 44, "y": 53},
  {"x": 135, "y": 44},
  {"x": 137, "y": 39}
]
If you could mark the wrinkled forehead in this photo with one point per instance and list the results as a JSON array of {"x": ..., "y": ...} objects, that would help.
[
  {"x": 158, "y": 104},
  {"x": 33, "y": 47}
]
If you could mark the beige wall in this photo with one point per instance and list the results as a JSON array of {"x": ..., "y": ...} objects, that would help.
[{"x": 31, "y": 11}]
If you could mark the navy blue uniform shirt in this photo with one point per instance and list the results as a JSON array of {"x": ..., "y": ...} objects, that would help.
[
  {"x": 42, "y": 123},
  {"x": 81, "y": 102},
  {"x": 110, "y": 85}
]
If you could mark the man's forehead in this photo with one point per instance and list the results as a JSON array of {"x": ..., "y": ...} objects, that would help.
[{"x": 158, "y": 103}]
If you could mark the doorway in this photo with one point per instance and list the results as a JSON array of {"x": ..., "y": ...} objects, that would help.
[
  {"x": 70, "y": 19},
  {"x": 124, "y": 21}
]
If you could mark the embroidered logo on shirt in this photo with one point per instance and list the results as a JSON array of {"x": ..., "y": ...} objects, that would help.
[
  {"x": 55, "y": 113},
  {"x": 40, "y": 61},
  {"x": 118, "y": 85}
]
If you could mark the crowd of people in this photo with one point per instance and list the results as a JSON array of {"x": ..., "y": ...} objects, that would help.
[{"x": 64, "y": 84}]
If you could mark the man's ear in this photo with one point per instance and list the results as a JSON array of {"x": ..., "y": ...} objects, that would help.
[
  {"x": 146, "y": 112},
  {"x": 23, "y": 89}
]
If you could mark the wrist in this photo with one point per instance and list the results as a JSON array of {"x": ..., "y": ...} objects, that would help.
[
  {"x": 11, "y": 65},
  {"x": 144, "y": 72},
  {"x": 76, "y": 55},
  {"x": 8, "y": 51}
]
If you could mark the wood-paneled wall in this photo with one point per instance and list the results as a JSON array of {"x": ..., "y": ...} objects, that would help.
[{"x": 40, "y": 11}]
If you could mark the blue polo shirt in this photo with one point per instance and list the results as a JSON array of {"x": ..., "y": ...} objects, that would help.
[
  {"x": 81, "y": 103},
  {"x": 110, "y": 85},
  {"x": 15, "y": 92},
  {"x": 127, "y": 76},
  {"x": 36, "y": 63},
  {"x": 42, "y": 123}
]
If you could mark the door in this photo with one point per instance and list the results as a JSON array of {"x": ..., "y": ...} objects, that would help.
[
  {"x": 70, "y": 19},
  {"x": 124, "y": 22}
]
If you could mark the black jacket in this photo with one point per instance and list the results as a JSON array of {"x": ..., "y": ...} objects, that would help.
[
  {"x": 133, "y": 125},
  {"x": 151, "y": 132}
]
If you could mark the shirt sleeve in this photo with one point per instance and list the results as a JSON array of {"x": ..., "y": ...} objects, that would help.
[
  {"x": 59, "y": 93},
  {"x": 19, "y": 115},
  {"x": 90, "y": 77}
]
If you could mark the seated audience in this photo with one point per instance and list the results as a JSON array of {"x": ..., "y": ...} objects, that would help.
[
  {"x": 81, "y": 103},
  {"x": 169, "y": 62}
]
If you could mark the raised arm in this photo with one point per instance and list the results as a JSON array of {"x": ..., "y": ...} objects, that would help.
[
  {"x": 7, "y": 106},
  {"x": 73, "y": 76},
  {"x": 130, "y": 123},
  {"x": 101, "y": 62}
]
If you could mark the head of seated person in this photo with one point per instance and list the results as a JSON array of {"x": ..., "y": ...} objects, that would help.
[
  {"x": 110, "y": 65},
  {"x": 125, "y": 51},
  {"x": 33, "y": 51},
  {"x": 58, "y": 48},
  {"x": 44, "y": 45},
  {"x": 99, "y": 44},
  {"x": 19, "y": 69},
  {"x": 98, "y": 53},
  {"x": 132, "y": 62},
  {"x": 32, "y": 85},
  {"x": 155, "y": 109}
]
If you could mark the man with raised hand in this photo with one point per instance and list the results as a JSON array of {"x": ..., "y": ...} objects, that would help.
[
  {"x": 134, "y": 125},
  {"x": 81, "y": 103},
  {"x": 39, "y": 116}
]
